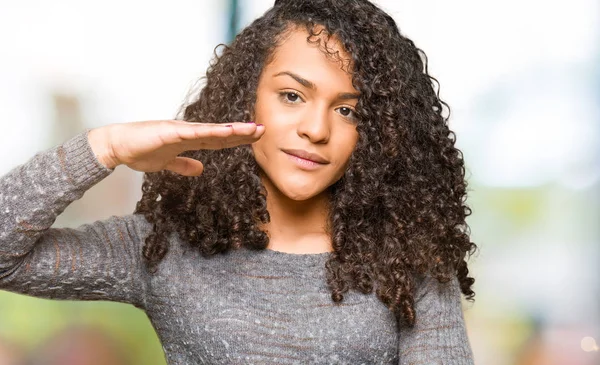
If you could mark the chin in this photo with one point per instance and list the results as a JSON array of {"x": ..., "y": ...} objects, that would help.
[
  {"x": 299, "y": 192},
  {"x": 296, "y": 187}
]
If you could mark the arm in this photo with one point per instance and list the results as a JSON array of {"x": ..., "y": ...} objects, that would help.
[
  {"x": 97, "y": 261},
  {"x": 439, "y": 336}
]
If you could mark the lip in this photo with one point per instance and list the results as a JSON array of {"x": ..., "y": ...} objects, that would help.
[
  {"x": 313, "y": 157},
  {"x": 304, "y": 164}
]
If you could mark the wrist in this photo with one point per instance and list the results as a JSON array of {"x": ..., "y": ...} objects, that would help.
[{"x": 100, "y": 143}]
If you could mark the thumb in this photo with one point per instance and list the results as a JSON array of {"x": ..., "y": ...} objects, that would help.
[{"x": 185, "y": 166}]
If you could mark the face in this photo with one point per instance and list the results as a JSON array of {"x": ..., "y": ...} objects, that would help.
[{"x": 306, "y": 102}]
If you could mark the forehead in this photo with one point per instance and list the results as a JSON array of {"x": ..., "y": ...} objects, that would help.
[{"x": 317, "y": 51}]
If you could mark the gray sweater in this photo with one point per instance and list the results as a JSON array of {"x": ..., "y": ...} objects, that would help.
[{"x": 243, "y": 307}]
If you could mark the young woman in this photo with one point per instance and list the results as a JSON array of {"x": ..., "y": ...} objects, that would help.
[{"x": 306, "y": 207}]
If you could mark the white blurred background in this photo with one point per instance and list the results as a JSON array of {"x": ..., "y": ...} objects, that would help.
[{"x": 522, "y": 79}]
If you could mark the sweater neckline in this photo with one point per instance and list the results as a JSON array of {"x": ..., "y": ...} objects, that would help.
[
  {"x": 276, "y": 252},
  {"x": 302, "y": 259}
]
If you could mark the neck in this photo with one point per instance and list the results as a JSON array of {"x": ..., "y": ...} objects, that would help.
[{"x": 297, "y": 226}]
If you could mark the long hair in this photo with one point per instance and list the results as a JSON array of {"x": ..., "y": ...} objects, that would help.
[{"x": 399, "y": 210}]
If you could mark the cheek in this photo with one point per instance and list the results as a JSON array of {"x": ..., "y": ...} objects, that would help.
[
  {"x": 266, "y": 107},
  {"x": 266, "y": 147},
  {"x": 261, "y": 116},
  {"x": 347, "y": 148},
  {"x": 260, "y": 148},
  {"x": 273, "y": 113}
]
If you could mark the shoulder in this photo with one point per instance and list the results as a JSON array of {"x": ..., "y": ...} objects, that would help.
[{"x": 429, "y": 287}]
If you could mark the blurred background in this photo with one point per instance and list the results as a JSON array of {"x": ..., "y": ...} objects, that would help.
[{"x": 522, "y": 79}]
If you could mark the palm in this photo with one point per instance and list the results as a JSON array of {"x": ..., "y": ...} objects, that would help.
[{"x": 152, "y": 146}]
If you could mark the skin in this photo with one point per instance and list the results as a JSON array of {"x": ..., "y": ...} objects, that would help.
[{"x": 318, "y": 119}]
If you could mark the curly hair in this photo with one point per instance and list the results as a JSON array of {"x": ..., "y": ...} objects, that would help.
[{"x": 397, "y": 213}]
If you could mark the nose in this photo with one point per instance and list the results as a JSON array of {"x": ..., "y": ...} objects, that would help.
[{"x": 315, "y": 124}]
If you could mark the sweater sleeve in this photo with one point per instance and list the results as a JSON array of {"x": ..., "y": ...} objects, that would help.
[
  {"x": 439, "y": 335},
  {"x": 96, "y": 261}
]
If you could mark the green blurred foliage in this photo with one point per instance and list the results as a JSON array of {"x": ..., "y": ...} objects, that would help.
[{"x": 30, "y": 321}]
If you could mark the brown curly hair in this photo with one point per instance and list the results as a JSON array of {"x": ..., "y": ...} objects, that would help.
[{"x": 399, "y": 210}]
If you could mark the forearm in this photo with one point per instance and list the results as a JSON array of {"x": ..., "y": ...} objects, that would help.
[
  {"x": 33, "y": 194},
  {"x": 97, "y": 261}
]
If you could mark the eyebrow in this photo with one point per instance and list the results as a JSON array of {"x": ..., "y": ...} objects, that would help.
[{"x": 310, "y": 85}]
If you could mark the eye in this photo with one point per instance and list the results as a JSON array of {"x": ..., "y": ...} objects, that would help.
[
  {"x": 347, "y": 112},
  {"x": 290, "y": 97}
]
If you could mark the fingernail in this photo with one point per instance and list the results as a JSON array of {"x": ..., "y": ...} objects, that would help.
[{"x": 259, "y": 125}]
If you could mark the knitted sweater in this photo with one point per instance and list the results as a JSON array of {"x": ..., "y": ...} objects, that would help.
[{"x": 242, "y": 307}]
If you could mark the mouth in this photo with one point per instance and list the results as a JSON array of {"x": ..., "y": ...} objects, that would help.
[
  {"x": 307, "y": 156},
  {"x": 303, "y": 163}
]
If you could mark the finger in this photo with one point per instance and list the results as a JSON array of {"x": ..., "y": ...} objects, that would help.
[
  {"x": 195, "y": 131},
  {"x": 185, "y": 166},
  {"x": 192, "y": 131},
  {"x": 218, "y": 140},
  {"x": 185, "y": 122},
  {"x": 219, "y": 143},
  {"x": 247, "y": 139},
  {"x": 260, "y": 130},
  {"x": 217, "y": 129},
  {"x": 245, "y": 133}
]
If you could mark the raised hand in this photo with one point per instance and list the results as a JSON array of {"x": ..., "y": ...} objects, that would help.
[{"x": 151, "y": 146}]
